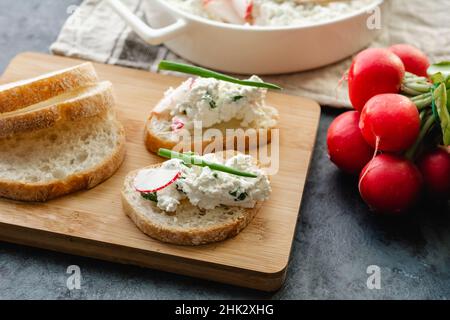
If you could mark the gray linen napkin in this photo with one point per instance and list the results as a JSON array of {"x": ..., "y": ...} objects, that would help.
[{"x": 94, "y": 32}]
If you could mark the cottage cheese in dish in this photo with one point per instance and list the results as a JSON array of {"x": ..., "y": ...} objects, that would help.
[
  {"x": 269, "y": 12},
  {"x": 210, "y": 101},
  {"x": 208, "y": 189}
]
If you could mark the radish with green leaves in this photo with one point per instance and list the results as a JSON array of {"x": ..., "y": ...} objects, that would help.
[
  {"x": 390, "y": 184},
  {"x": 346, "y": 146},
  {"x": 435, "y": 168},
  {"x": 404, "y": 109},
  {"x": 390, "y": 122},
  {"x": 374, "y": 71},
  {"x": 414, "y": 60}
]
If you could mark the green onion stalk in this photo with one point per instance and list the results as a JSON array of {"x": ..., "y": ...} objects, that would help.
[
  {"x": 191, "y": 159},
  {"x": 205, "y": 73}
]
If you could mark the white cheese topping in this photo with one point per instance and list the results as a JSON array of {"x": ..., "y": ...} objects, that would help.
[
  {"x": 278, "y": 12},
  {"x": 211, "y": 101},
  {"x": 209, "y": 189}
]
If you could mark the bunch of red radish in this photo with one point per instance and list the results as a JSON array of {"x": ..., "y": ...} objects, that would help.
[{"x": 397, "y": 137}]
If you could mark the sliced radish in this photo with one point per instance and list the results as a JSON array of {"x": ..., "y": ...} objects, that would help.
[
  {"x": 177, "y": 124},
  {"x": 152, "y": 180},
  {"x": 172, "y": 97},
  {"x": 223, "y": 9},
  {"x": 244, "y": 9},
  {"x": 191, "y": 82},
  {"x": 163, "y": 105}
]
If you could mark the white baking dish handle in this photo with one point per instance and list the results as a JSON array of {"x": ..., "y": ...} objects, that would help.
[{"x": 147, "y": 33}]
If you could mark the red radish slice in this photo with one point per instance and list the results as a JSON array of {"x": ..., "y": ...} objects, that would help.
[
  {"x": 170, "y": 99},
  {"x": 191, "y": 82},
  {"x": 152, "y": 180},
  {"x": 177, "y": 124},
  {"x": 244, "y": 8},
  {"x": 163, "y": 105},
  {"x": 224, "y": 10}
]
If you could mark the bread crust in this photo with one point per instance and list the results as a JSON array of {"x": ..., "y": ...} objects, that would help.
[
  {"x": 153, "y": 142},
  {"x": 100, "y": 102},
  {"x": 14, "y": 97},
  {"x": 186, "y": 236},
  {"x": 37, "y": 104},
  {"x": 87, "y": 179}
]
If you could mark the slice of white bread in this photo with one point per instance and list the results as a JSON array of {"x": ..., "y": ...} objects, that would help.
[
  {"x": 159, "y": 134},
  {"x": 88, "y": 101},
  {"x": 189, "y": 225},
  {"x": 21, "y": 94},
  {"x": 72, "y": 155},
  {"x": 58, "y": 134}
]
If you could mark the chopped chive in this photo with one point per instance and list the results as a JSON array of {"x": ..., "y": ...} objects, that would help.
[
  {"x": 242, "y": 196},
  {"x": 208, "y": 97},
  {"x": 150, "y": 196},
  {"x": 205, "y": 73}
]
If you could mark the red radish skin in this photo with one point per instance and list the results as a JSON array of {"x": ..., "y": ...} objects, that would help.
[
  {"x": 244, "y": 8},
  {"x": 223, "y": 9},
  {"x": 177, "y": 124},
  {"x": 414, "y": 60},
  {"x": 374, "y": 71},
  {"x": 390, "y": 122},
  {"x": 346, "y": 146},
  {"x": 435, "y": 168},
  {"x": 158, "y": 188},
  {"x": 390, "y": 184}
]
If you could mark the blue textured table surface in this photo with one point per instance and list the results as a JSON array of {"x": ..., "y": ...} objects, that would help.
[{"x": 336, "y": 240}]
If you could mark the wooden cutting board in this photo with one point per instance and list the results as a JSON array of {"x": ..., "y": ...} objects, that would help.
[{"x": 91, "y": 223}]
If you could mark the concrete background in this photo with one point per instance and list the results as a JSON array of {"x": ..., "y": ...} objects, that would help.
[{"x": 337, "y": 237}]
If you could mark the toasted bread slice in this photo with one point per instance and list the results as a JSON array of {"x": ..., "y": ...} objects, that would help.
[
  {"x": 189, "y": 225},
  {"x": 21, "y": 94},
  {"x": 70, "y": 156},
  {"x": 89, "y": 101},
  {"x": 158, "y": 133}
]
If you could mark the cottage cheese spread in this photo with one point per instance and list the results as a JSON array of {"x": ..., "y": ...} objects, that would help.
[
  {"x": 280, "y": 12},
  {"x": 211, "y": 101},
  {"x": 208, "y": 189}
]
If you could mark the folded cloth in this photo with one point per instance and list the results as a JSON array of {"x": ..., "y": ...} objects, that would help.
[{"x": 95, "y": 32}]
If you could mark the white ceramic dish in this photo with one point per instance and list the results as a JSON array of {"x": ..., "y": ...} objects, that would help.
[{"x": 253, "y": 49}]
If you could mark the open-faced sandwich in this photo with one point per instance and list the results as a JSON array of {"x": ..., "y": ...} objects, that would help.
[
  {"x": 58, "y": 134},
  {"x": 193, "y": 200},
  {"x": 211, "y": 101}
]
